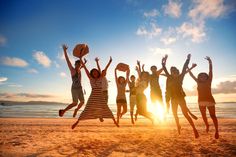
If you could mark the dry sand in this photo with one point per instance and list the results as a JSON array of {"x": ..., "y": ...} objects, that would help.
[{"x": 54, "y": 137}]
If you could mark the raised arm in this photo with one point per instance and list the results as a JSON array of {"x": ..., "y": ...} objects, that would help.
[
  {"x": 143, "y": 67},
  {"x": 186, "y": 65},
  {"x": 210, "y": 68},
  {"x": 164, "y": 65},
  {"x": 107, "y": 66},
  {"x": 127, "y": 76},
  {"x": 159, "y": 71},
  {"x": 190, "y": 72},
  {"x": 116, "y": 78},
  {"x": 65, "y": 47},
  {"x": 85, "y": 68},
  {"x": 138, "y": 69},
  {"x": 98, "y": 66}
]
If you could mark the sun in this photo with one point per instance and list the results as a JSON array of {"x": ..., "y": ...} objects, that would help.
[{"x": 157, "y": 109}]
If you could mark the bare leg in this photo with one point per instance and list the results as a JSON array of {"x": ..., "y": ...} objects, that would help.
[
  {"x": 214, "y": 118},
  {"x": 61, "y": 112},
  {"x": 174, "y": 111},
  {"x": 78, "y": 107},
  {"x": 75, "y": 124},
  {"x": 192, "y": 115},
  {"x": 132, "y": 117},
  {"x": 124, "y": 110},
  {"x": 118, "y": 113},
  {"x": 204, "y": 117},
  {"x": 186, "y": 115},
  {"x": 115, "y": 122}
]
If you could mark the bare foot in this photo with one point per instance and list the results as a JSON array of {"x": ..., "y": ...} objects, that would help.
[
  {"x": 136, "y": 117},
  {"x": 74, "y": 125},
  {"x": 61, "y": 113},
  {"x": 217, "y": 135},
  {"x": 132, "y": 121},
  {"x": 196, "y": 133},
  {"x": 101, "y": 119},
  {"x": 75, "y": 112}
]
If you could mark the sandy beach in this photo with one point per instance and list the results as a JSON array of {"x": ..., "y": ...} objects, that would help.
[{"x": 54, "y": 137}]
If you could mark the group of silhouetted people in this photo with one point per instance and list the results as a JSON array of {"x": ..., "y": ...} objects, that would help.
[{"x": 97, "y": 103}]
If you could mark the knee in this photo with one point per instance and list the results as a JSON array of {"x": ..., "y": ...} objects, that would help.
[
  {"x": 74, "y": 104},
  {"x": 213, "y": 116}
]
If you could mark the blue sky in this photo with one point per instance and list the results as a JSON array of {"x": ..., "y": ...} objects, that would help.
[{"x": 31, "y": 34}]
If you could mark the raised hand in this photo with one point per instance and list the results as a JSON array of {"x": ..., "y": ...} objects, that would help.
[
  {"x": 189, "y": 56},
  {"x": 136, "y": 68},
  {"x": 65, "y": 47},
  {"x": 110, "y": 59},
  {"x": 96, "y": 59},
  {"x": 194, "y": 65},
  {"x": 209, "y": 59},
  {"x": 138, "y": 62}
]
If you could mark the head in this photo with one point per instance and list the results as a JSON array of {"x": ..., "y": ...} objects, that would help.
[
  {"x": 94, "y": 73},
  {"x": 77, "y": 64},
  {"x": 132, "y": 78},
  {"x": 104, "y": 72},
  {"x": 153, "y": 69},
  {"x": 145, "y": 76},
  {"x": 174, "y": 72},
  {"x": 202, "y": 77},
  {"x": 121, "y": 80}
]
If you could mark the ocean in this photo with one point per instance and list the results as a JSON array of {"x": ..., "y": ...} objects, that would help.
[{"x": 223, "y": 110}]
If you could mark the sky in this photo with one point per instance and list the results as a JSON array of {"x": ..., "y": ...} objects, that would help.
[{"x": 32, "y": 66}]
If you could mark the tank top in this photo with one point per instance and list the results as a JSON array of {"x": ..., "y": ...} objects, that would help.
[
  {"x": 204, "y": 92},
  {"x": 76, "y": 80}
]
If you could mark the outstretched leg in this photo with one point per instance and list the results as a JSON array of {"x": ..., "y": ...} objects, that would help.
[
  {"x": 212, "y": 112},
  {"x": 124, "y": 110},
  {"x": 204, "y": 117},
  {"x": 115, "y": 122},
  {"x": 118, "y": 113},
  {"x": 75, "y": 124},
  {"x": 78, "y": 107},
  {"x": 62, "y": 111},
  {"x": 186, "y": 115},
  {"x": 174, "y": 111}
]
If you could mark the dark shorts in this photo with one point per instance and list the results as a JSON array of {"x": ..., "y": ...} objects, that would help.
[
  {"x": 77, "y": 94},
  {"x": 121, "y": 101}
]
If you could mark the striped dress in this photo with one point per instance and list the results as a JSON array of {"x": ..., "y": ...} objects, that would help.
[{"x": 96, "y": 106}]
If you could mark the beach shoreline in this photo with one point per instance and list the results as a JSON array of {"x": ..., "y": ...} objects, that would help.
[{"x": 54, "y": 137}]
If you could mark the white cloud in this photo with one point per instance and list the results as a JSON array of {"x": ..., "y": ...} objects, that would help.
[
  {"x": 173, "y": 8},
  {"x": 168, "y": 40},
  {"x": 3, "y": 79},
  {"x": 13, "y": 61},
  {"x": 42, "y": 58},
  {"x": 203, "y": 9},
  {"x": 152, "y": 13},
  {"x": 153, "y": 32},
  {"x": 195, "y": 32},
  {"x": 161, "y": 51},
  {"x": 3, "y": 40},
  {"x": 62, "y": 74},
  {"x": 15, "y": 85},
  {"x": 33, "y": 71}
]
